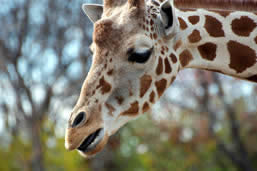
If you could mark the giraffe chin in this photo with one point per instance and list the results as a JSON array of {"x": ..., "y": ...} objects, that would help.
[{"x": 99, "y": 142}]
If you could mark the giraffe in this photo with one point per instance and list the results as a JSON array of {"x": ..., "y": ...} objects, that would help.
[{"x": 139, "y": 46}]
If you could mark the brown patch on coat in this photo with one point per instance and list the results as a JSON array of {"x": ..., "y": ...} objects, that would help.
[
  {"x": 255, "y": 39},
  {"x": 177, "y": 45},
  {"x": 105, "y": 53},
  {"x": 107, "y": 34},
  {"x": 161, "y": 86},
  {"x": 208, "y": 51},
  {"x": 253, "y": 78},
  {"x": 154, "y": 16},
  {"x": 145, "y": 83},
  {"x": 241, "y": 56},
  {"x": 232, "y": 5},
  {"x": 213, "y": 26},
  {"x": 110, "y": 108},
  {"x": 110, "y": 72},
  {"x": 119, "y": 99},
  {"x": 167, "y": 66},
  {"x": 185, "y": 9},
  {"x": 155, "y": 36},
  {"x": 221, "y": 13},
  {"x": 194, "y": 19},
  {"x": 163, "y": 49},
  {"x": 93, "y": 93},
  {"x": 185, "y": 57},
  {"x": 102, "y": 31},
  {"x": 133, "y": 110},
  {"x": 151, "y": 22},
  {"x": 146, "y": 107},
  {"x": 173, "y": 58},
  {"x": 159, "y": 68},
  {"x": 182, "y": 23},
  {"x": 151, "y": 97},
  {"x": 105, "y": 86},
  {"x": 194, "y": 36},
  {"x": 243, "y": 26}
]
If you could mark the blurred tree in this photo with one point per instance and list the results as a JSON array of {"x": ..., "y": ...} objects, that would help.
[
  {"x": 44, "y": 58},
  {"x": 239, "y": 155},
  {"x": 203, "y": 120}
]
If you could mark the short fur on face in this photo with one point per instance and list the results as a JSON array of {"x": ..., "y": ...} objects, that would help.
[{"x": 117, "y": 90}]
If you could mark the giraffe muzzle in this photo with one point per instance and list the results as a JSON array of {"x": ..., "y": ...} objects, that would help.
[{"x": 91, "y": 141}]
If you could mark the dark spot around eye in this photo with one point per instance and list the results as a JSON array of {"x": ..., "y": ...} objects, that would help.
[{"x": 139, "y": 57}]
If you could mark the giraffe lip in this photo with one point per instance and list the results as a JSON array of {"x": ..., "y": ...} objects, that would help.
[{"x": 91, "y": 141}]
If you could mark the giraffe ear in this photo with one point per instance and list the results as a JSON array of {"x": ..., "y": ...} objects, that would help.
[
  {"x": 93, "y": 11},
  {"x": 167, "y": 16}
]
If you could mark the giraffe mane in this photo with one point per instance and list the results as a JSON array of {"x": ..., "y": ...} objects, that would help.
[{"x": 239, "y": 5}]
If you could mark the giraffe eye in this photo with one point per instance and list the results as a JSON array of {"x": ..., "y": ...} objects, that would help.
[{"x": 139, "y": 57}]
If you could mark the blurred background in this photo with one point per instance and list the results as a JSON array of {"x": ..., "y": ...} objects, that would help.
[{"x": 204, "y": 121}]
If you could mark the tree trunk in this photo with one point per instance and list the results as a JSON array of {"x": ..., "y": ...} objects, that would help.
[{"x": 37, "y": 163}]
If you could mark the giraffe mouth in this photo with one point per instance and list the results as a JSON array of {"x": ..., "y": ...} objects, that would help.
[{"x": 91, "y": 141}]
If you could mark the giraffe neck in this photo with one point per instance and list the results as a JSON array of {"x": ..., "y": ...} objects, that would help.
[{"x": 221, "y": 41}]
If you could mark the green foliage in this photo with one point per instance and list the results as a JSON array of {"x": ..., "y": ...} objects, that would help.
[
  {"x": 144, "y": 145},
  {"x": 165, "y": 154}
]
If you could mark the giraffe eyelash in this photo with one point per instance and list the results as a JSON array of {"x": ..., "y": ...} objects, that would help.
[{"x": 139, "y": 57}]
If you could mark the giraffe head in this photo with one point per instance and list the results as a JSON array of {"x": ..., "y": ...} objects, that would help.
[{"x": 130, "y": 71}]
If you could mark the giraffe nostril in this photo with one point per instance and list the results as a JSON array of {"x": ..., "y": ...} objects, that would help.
[{"x": 79, "y": 119}]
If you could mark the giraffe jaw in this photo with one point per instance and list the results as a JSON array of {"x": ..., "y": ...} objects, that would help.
[
  {"x": 93, "y": 143},
  {"x": 90, "y": 142}
]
